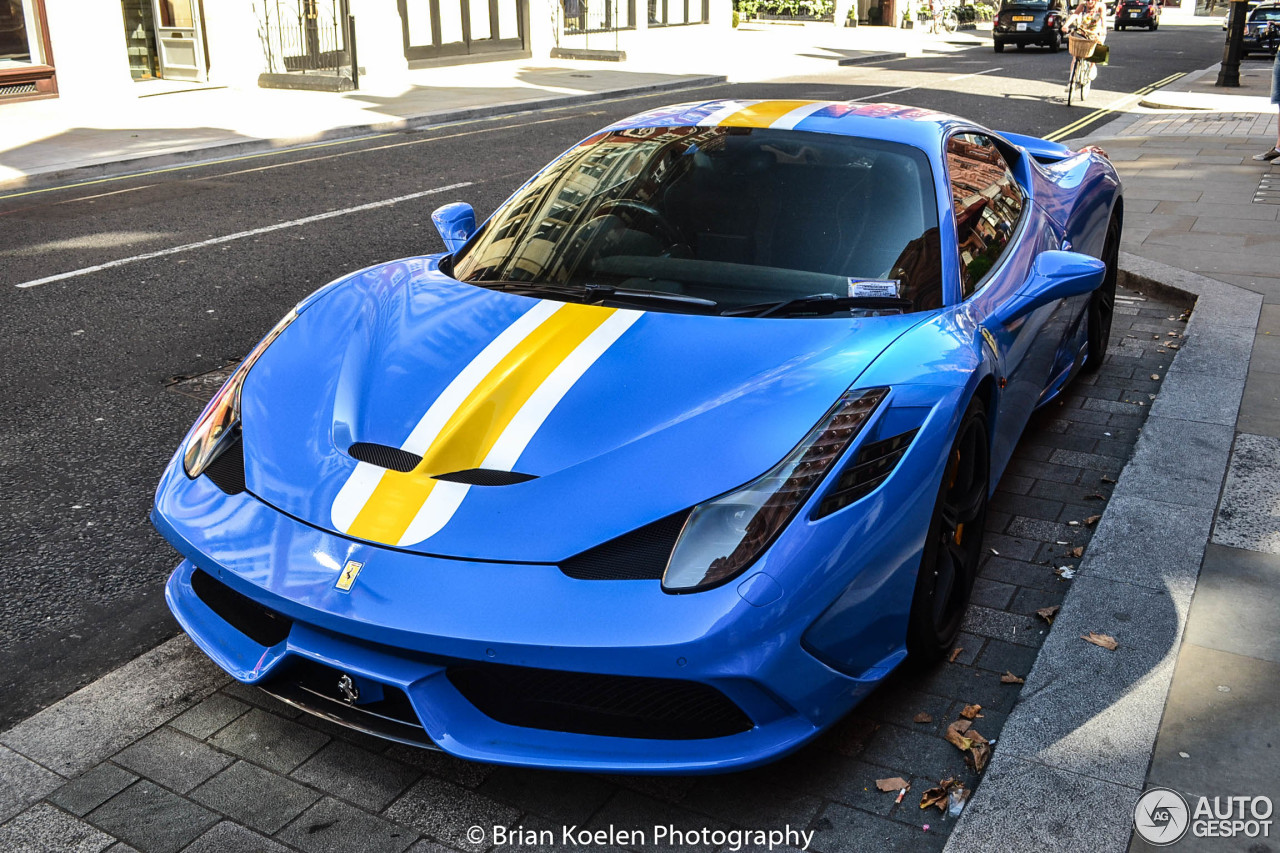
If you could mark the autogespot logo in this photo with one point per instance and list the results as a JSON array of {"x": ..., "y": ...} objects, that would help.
[{"x": 1161, "y": 816}]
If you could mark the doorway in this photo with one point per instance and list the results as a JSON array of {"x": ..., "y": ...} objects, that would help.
[
  {"x": 164, "y": 39},
  {"x": 443, "y": 28}
]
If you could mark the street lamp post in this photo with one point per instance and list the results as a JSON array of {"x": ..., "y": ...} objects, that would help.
[{"x": 1229, "y": 73}]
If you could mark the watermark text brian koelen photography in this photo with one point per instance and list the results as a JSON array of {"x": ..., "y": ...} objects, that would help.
[{"x": 568, "y": 837}]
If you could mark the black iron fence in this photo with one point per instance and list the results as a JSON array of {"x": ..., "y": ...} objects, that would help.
[{"x": 306, "y": 35}]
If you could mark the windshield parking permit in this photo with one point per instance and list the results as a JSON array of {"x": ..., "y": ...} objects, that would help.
[{"x": 874, "y": 288}]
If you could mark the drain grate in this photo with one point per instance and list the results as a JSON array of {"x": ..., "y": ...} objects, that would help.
[{"x": 1268, "y": 191}]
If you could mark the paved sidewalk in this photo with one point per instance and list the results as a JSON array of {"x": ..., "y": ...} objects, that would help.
[
  {"x": 1188, "y": 578},
  {"x": 61, "y": 138}
]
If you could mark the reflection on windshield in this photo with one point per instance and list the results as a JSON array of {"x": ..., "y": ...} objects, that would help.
[{"x": 719, "y": 216}]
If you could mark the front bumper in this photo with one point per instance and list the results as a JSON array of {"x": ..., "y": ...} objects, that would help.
[{"x": 409, "y": 620}]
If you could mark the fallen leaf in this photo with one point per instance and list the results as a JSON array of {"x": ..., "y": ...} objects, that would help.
[
  {"x": 955, "y": 653},
  {"x": 894, "y": 784},
  {"x": 971, "y": 712},
  {"x": 1105, "y": 478},
  {"x": 978, "y": 757},
  {"x": 1106, "y": 641},
  {"x": 1077, "y": 551},
  {"x": 1010, "y": 678},
  {"x": 958, "y": 740},
  {"x": 975, "y": 736},
  {"x": 1172, "y": 346},
  {"x": 1092, "y": 520},
  {"x": 922, "y": 717},
  {"x": 937, "y": 796},
  {"x": 1095, "y": 497},
  {"x": 1047, "y": 613}
]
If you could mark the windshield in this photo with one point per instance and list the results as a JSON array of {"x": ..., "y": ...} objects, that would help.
[
  {"x": 1270, "y": 13},
  {"x": 719, "y": 220}
]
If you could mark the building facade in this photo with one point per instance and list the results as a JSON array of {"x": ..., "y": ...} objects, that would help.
[{"x": 83, "y": 49}]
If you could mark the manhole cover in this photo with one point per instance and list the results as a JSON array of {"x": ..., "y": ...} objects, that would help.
[{"x": 202, "y": 386}]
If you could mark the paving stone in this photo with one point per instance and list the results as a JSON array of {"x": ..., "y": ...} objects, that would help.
[
  {"x": 209, "y": 716},
  {"x": 915, "y": 752},
  {"x": 630, "y": 811},
  {"x": 671, "y": 789},
  {"x": 444, "y": 811},
  {"x": 1180, "y": 462},
  {"x": 1071, "y": 813},
  {"x": 172, "y": 759},
  {"x": 361, "y": 777},
  {"x": 255, "y": 696},
  {"x": 227, "y": 837},
  {"x": 832, "y": 776},
  {"x": 91, "y": 790},
  {"x": 1149, "y": 543},
  {"x": 255, "y": 797},
  {"x": 331, "y": 826},
  {"x": 1237, "y": 604},
  {"x": 152, "y": 819},
  {"x": 569, "y": 798},
  {"x": 1017, "y": 572},
  {"x": 1033, "y": 528},
  {"x": 1094, "y": 711},
  {"x": 1009, "y": 547},
  {"x": 1002, "y": 625},
  {"x": 747, "y": 800},
  {"x": 468, "y": 774},
  {"x": 44, "y": 829},
  {"x": 1216, "y": 350},
  {"x": 1028, "y": 601},
  {"x": 109, "y": 714},
  {"x": 843, "y": 829},
  {"x": 1199, "y": 397},
  {"x": 265, "y": 739},
  {"x": 1249, "y": 514},
  {"x": 22, "y": 782}
]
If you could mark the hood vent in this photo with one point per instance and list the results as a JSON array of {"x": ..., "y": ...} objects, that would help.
[
  {"x": 385, "y": 456},
  {"x": 641, "y": 554},
  {"x": 486, "y": 477}
]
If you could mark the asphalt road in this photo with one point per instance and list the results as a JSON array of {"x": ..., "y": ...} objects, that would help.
[{"x": 89, "y": 422}]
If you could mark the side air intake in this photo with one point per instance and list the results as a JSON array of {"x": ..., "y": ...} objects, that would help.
[{"x": 871, "y": 466}]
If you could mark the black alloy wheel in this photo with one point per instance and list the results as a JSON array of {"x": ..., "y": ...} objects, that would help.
[
  {"x": 999, "y": 45},
  {"x": 953, "y": 545},
  {"x": 1102, "y": 304}
]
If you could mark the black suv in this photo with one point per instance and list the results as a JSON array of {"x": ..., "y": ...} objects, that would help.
[
  {"x": 1024, "y": 22},
  {"x": 1138, "y": 13}
]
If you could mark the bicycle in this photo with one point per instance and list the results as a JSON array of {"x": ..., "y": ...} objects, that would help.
[
  {"x": 1080, "y": 79},
  {"x": 940, "y": 21}
]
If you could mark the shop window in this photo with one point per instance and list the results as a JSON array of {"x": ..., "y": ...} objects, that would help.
[{"x": 20, "y": 37}]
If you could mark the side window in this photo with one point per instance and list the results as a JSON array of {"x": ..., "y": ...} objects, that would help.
[{"x": 987, "y": 203}]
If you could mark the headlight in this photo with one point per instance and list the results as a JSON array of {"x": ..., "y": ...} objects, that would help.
[
  {"x": 725, "y": 535},
  {"x": 217, "y": 426}
]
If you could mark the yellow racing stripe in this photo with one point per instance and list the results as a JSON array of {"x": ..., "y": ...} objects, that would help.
[
  {"x": 475, "y": 427},
  {"x": 762, "y": 114}
]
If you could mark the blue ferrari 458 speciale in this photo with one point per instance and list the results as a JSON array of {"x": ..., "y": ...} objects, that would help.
[{"x": 668, "y": 463}]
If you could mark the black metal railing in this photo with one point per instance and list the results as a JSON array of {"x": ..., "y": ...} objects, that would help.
[
  {"x": 307, "y": 36},
  {"x": 598, "y": 16}
]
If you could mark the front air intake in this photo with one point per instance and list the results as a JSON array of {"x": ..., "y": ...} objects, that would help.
[
  {"x": 639, "y": 555},
  {"x": 871, "y": 466},
  {"x": 227, "y": 470},
  {"x": 260, "y": 624},
  {"x": 605, "y": 705}
]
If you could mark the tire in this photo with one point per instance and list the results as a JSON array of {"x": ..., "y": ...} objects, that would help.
[
  {"x": 1119, "y": 27},
  {"x": 999, "y": 46},
  {"x": 1103, "y": 302},
  {"x": 953, "y": 543},
  {"x": 1022, "y": 46},
  {"x": 1055, "y": 43}
]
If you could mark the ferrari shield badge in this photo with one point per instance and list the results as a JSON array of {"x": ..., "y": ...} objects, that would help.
[{"x": 348, "y": 576}]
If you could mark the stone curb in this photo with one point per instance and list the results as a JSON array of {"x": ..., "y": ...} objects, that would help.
[
  {"x": 214, "y": 151},
  {"x": 1073, "y": 756}
]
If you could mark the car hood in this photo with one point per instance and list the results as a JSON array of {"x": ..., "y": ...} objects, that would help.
[{"x": 620, "y": 417}]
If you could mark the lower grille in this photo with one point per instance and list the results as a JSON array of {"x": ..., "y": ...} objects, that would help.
[
  {"x": 313, "y": 687},
  {"x": 606, "y": 705},
  {"x": 260, "y": 624}
]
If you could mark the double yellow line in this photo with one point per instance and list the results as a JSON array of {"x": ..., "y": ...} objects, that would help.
[{"x": 1079, "y": 124}]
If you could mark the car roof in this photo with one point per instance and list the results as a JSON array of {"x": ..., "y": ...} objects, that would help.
[{"x": 922, "y": 128}]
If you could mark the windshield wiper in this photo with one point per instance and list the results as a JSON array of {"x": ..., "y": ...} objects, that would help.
[
  {"x": 824, "y": 303},
  {"x": 592, "y": 293}
]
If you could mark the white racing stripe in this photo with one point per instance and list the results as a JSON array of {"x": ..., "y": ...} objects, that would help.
[
  {"x": 355, "y": 493},
  {"x": 239, "y": 235},
  {"x": 732, "y": 108},
  {"x": 799, "y": 114},
  {"x": 443, "y": 502}
]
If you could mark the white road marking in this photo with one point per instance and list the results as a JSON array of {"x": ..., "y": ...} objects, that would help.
[
  {"x": 879, "y": 95},
  {"x": 239, "y": 235}
]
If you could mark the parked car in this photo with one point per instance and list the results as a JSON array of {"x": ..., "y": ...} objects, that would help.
[
  {"x": 1024, "y": 22},
  {"x": 1259, "y": 29},
  {"x": 667, "y": 464},
  {"x": 1138, "y": 13}
]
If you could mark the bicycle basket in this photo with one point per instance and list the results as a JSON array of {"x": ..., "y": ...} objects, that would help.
[{"x": 1081, "y": 48}]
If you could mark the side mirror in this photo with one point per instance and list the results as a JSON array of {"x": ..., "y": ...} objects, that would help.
[
  {"x": 456, "y": 223},
  {"x": 1055, "y": 275}
]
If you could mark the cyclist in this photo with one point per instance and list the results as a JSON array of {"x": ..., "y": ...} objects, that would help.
[{"x": 1089, "y": 21}]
